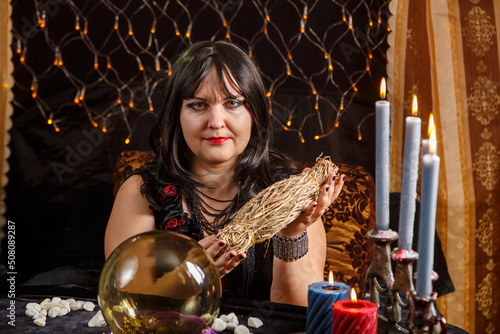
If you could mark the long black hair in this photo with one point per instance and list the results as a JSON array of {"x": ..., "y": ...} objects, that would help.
[{"x": 258, "y": 165}]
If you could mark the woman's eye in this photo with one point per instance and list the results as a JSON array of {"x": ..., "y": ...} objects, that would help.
[
  {"x": 196, "y": 105},
  {"x": 235, "y": 103}
]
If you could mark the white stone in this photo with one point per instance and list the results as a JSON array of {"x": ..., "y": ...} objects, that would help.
[
  {"x": 224, "y": 318},
  {"x": 30, "y": 312},
  {"x": 54, "y": 311},
  {"x": 50, "y": 305},
  {"x": 37, "y": 308},
  {"x": 254, "y": 322},
  {"x": 97, "y": 320},
  {"x": 240, "y": 329},
  {"x": 71, "y": 300},
  {"x": 45, "y": 301},
  {"x": 219, "y": 325},
  {"x": 76, "y": 306},
  {"x": 230, "y": 326},
  {"x": 62, "y": 312},
  {"x": 233, "y": 319},
  {"x": 43, "y": 312},
  {"x": 65, "y": 304},
  {"x": 39, "y": 315},
  {"x": 89, "y": 306},
  {"x": 56, "y": 300},
  {"x": 40, "y": 322},
  {"x": 31, "y": 305}
]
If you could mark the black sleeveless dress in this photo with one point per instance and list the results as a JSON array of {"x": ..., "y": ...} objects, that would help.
[{"x": 251, "y": 279}]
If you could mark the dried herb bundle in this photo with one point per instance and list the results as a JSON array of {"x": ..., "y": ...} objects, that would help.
[{"x": 275, "y": 207}]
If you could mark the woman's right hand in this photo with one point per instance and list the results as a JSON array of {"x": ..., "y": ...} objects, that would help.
[{"x": 225, "y": 262}]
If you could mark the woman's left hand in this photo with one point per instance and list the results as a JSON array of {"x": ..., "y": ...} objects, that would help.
[{"x": 329, "y": 192}]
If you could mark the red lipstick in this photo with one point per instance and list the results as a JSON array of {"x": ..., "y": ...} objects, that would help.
[{"x": 216, "y": 140}]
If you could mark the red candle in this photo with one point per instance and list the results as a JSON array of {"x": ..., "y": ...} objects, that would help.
[{"x": 354, "y": 316}]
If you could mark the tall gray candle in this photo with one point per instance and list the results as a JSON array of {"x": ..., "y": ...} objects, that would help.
[
  {"x": 382, "y": 141},
  {"x": 427, "y": 231},
  {"x": 409, "y": 179}
]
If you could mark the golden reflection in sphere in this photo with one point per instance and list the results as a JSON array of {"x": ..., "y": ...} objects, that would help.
[{"x": 159, "y": 282}]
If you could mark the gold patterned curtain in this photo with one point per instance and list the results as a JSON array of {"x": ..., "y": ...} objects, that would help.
[{"x": 447, "y": 52}]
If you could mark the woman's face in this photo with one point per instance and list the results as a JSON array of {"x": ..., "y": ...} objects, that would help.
[{"x": 216, "y": 127}]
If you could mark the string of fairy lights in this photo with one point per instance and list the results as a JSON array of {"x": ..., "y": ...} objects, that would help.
[{"x": 126, "y": 48}]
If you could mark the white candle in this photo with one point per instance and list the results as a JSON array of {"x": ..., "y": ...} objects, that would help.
[
  {"x": 425, "y": 142},
  {"x": 382, "y": 122},
  {"x": 430, "y": 178},
  {"x": 409, "y": 179}
]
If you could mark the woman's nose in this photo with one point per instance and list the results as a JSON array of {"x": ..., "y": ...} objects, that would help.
[{"x": 216, "y": 118}]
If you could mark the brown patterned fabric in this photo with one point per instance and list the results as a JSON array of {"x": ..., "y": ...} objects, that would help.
[
  {"x": 448, "y": 53},
  {"x": 128, "y": 162},
  {"x": 346, "y": 223},
  {"x": 349, "y": 251}
]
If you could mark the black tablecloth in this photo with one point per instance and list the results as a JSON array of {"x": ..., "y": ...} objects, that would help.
[{"x": 277, "y": 318}]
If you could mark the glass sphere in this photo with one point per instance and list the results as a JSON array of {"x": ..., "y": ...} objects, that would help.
[{"x": 159, "y": 282}]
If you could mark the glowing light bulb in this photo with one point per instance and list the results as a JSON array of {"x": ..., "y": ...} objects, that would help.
[{"x": 316, "y": 137}]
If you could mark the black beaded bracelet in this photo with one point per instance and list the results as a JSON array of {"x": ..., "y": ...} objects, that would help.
[{"x": 290, "y": 249}]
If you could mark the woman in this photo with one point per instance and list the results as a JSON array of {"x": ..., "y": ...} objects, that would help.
[{"x": 212, "y": 146}]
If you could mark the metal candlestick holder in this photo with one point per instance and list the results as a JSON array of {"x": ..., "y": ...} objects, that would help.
[
  {"x": 421, "y": 318},
  {"x": 403, "y": 283},
  {"x": 380, "y": 266}
]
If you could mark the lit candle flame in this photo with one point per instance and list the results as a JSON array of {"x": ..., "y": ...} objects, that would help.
[
  {"x": 354, "y": 298},
  {"x": 382, "y": 89},
  {"x": 431, "y": 125},
  {"x": 330, "y": 279},
  {"x": 414, "y": 107},
  {"x": 432, "y": 140}
]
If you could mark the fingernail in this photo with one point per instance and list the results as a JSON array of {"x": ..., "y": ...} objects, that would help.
[
  {"x": 315, "y": 205},
  {"x": 231, "y": 255},
  {"x": 334, "y": 177},
  {"x": 327, "y": 188},
  {"x": 242, "y": 257},
  {"x": 343, "y": 178},
  {"x": 221, "y": 243}
]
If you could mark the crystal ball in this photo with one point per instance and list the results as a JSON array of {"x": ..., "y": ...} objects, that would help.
[{"x": 159, "y": 282}]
